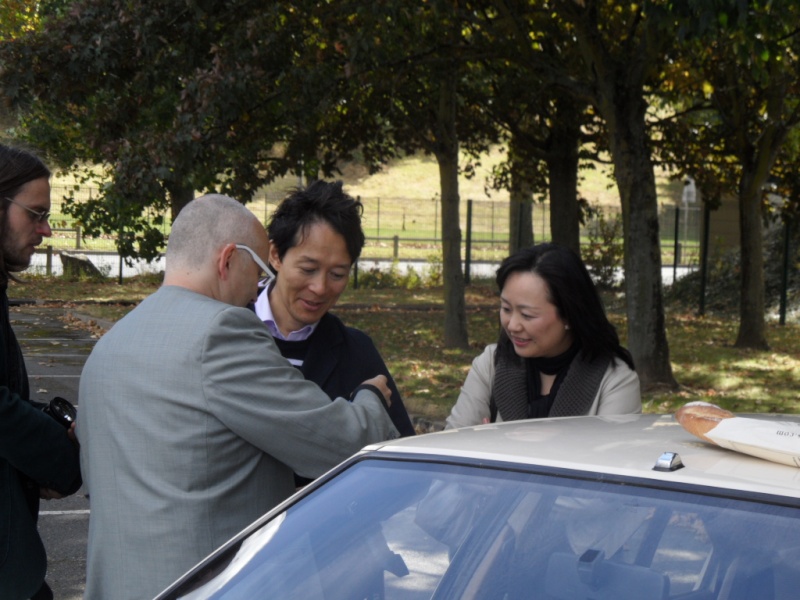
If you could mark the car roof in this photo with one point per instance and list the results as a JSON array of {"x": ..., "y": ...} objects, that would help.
[{"x": 624, "y": 445}]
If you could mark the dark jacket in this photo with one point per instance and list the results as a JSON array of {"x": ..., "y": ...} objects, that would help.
[
  {"x": 34, "y": 452},
  {"x": 341, "y": 358}
]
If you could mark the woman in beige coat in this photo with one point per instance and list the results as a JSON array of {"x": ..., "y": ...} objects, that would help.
[{"x": 558, "y": 354}]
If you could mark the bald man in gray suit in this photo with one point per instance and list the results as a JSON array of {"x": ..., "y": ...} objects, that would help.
[{"x": 190, "y": 421}]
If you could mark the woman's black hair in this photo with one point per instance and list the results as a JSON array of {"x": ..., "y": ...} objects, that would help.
[
  {"x": 321, "y": 202},
  {"x": 573, "y": 293}
]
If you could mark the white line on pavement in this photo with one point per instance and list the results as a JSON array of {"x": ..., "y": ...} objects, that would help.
[{"x": 63, "y": 512}]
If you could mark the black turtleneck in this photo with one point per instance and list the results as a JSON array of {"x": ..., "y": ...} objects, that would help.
[{"x": 539, "y": 404}]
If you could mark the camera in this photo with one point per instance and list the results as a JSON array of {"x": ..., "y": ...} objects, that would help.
[{"x": 62, "y": 411}]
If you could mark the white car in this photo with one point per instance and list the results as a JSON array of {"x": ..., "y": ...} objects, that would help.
[{"x": 628, "y": 507}]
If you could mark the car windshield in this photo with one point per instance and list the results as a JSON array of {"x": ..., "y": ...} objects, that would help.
[{"x": 417, "y": 530}]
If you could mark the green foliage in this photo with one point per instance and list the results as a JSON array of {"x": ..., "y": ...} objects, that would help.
[
  {"x": 604, "y": 252},
  {"x": 17, "y": 17},
  {"x": 435, "y": 271},
  {"x": 172, "y": 98},
  {"x": 377, "y": 279}
]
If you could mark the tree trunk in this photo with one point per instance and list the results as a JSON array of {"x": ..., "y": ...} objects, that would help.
[
  {"x": 752, "y": 325},
  {"x": 757, "y": 160},
  {"x": 446, "y": 152},
  {"x": 520, "y": 219},
  {"x": 617, "y": 88},
  {"x": 562, "y": 166},
  {"x": 647, "y": 338},
  {"x": 180, "y": 194}
]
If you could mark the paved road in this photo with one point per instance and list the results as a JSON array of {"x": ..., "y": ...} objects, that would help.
[{"x": 54, "y": 355}]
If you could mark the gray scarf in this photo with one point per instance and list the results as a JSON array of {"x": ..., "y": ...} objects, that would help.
[{"x": 574, "y": 397}]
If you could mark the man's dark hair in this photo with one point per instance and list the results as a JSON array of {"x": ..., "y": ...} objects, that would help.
[
  {"x": 321, "y": 202},
  {"x": 573, "y": 293},
  {"x": 17, "y": 167}
]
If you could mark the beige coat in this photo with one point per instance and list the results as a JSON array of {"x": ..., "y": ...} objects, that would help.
[{"x": 618, "y": 393}]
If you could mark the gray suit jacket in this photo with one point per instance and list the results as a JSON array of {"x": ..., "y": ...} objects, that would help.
[{"x": 191, "y": 424}]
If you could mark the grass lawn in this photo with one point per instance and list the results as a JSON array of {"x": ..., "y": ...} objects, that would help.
[{"x": 406, "y": 326}]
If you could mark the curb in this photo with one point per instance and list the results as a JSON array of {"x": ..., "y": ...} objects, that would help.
[
  {"x": 104, "y": 324},
  {"x": 21, "y": 301}
]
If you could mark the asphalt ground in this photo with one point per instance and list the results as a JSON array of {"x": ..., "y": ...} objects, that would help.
[{"x": 55, "y": 353}]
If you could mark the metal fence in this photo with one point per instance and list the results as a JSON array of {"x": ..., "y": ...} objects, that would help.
[{"x": 410, "y": 229}]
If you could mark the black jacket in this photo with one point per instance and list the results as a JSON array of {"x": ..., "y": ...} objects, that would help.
[
  {"x": 34, "y": 452},
  {"x": 341, "y": 358}
]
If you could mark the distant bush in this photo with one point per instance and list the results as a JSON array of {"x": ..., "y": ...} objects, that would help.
[
  {"x": 724, "y": 277},
  {"x": 604, "y": 254},
  {"x": 411, "y": 279}
]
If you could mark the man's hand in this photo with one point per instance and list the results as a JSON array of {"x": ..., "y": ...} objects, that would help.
[
  {"x": 48, "y": 494},
  {"x": 380, "y": 382}
]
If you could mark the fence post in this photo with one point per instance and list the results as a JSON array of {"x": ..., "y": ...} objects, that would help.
[
  {"x": 492, "y": 222},
  {"x": 469, "y": 243},
  {"x": 436, "y": 206},
  {"x": 49, "y": 263},
  {"x": 677, "y": 246},
  {"x": 78, "y": 237},
  {"x": 704, "y": 258},
  {"x": 379, "y": 217},
  {"x": 396, "y": 251}
]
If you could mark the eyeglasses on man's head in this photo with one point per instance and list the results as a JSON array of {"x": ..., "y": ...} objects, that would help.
[{"x": 266, "y": 272}]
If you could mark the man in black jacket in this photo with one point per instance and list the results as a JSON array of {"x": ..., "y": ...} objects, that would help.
[
  {"x": 315, "y": 237},
  {"x": 38, "y": 457}
]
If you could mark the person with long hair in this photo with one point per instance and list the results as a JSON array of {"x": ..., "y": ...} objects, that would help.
[
  {"x": 557, "y": 354},
  {"x": 38, "y": 457}
]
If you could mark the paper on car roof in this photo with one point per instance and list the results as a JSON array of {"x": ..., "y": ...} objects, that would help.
[{"x": 776, "y": 441}]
